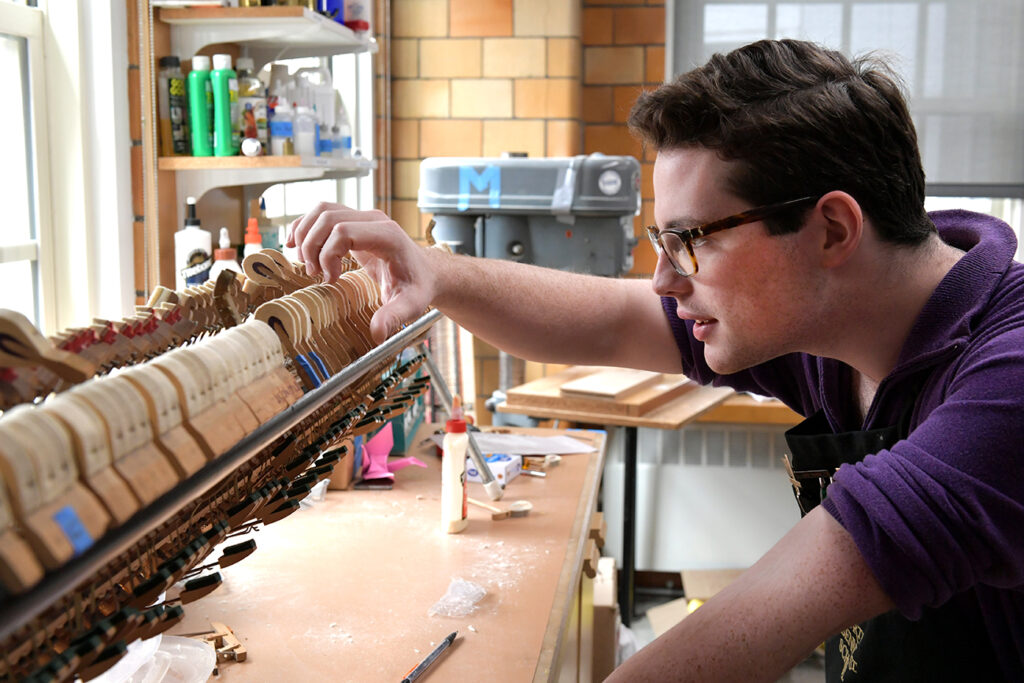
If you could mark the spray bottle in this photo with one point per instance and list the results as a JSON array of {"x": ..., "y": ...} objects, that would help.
[
  {"x": 252, "y": 104},
  {"x": 192, "y": 247},
  {"x": 453, "y": 472},
  {"x": 225, "y": 258}
]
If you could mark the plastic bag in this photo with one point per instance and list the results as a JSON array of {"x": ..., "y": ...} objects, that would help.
[{"x": 459, "y": 600}]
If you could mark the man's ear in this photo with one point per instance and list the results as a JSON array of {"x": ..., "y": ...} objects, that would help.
[{"x": 843, "y": 227}]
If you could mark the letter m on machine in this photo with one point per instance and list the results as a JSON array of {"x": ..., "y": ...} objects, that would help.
[{"x": 488, "y": 180}]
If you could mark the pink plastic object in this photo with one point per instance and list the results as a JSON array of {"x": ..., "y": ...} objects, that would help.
[{"x": 375, "y": 455}]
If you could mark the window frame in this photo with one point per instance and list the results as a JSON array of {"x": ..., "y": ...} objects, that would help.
[{"x": 29, "y": 23}]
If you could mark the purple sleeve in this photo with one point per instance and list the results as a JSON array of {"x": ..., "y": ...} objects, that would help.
[{"x": 942, "y": 510}]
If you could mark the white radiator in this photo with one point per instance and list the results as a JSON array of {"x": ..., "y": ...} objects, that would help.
[{"x": 711, "y": 496}]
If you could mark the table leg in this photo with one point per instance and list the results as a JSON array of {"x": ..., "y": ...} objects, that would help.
[{"x": 628, "y": 528}]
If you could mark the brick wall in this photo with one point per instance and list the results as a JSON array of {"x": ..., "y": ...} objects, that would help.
[
  {"x": 623, "y": 53},
  {"x": 481, "y": 77}
]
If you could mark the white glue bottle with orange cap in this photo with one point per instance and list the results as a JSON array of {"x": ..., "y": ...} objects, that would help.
[{"x": 453, "y": 472}]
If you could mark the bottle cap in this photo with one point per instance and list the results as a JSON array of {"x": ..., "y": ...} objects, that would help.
[
  {"x": 252, "y": 147},
  {"x": 252, "y": 232},
  {"x": 455, "y": 424},
  {"x": 190, "y": 216},
  {"x": 221, "y": 61},
  {"x": 226, "y": 252},
  {"x": 170, "y": 60},
  {"x": 245, "y": 63},
  {"x": 201, "y": 63}
]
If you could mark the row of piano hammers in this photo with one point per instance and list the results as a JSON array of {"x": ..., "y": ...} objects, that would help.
[{"x": 87, "y": 459}]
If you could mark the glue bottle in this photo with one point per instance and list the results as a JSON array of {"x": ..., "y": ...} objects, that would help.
[
  {"x": 253, "y": 239},
  {"x": 192, "y": 247},
  {"x": 453, "y": 472},
  {"x": 225, "y": 258}
]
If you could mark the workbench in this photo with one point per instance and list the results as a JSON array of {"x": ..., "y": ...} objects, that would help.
[
  {"x": 340, "y": 591},
  {"x": 543, "y": 398}
]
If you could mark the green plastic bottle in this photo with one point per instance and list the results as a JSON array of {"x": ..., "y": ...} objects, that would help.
[
  {"x": 224, "y": 83},
  {"x": 200, "y": 107}
]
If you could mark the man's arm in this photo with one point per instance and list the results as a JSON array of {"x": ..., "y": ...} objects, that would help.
[
  {"x": 534, "y": 313},
  {"x": 812, "y": 584}
]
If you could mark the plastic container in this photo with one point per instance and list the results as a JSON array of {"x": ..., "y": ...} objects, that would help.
[
  {"x": 171, "y": 104},
  {"x": 306, "y": 133},
  {"x": 224, "y": 83},
  {"x": 357, "y": 15},
  {"x": 282, "y": 134},
  {"x": 225, "y": 258},
  {"x": 252, "y": 103},
  {"x": 192, "y": 247},
  {"x": 314, "y": 90},
  {"x": 253, "y": 238},
  {"x": 280, "y": 89},
  {"x": 453, "y": 472},
  {"x": 200, "y": 106}
]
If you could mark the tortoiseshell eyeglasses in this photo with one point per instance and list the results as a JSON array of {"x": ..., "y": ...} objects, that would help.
[{"x": 677, "y": 245}]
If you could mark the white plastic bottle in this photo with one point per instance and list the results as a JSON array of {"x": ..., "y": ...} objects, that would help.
[
  {"x": 343, "y": 146},
  {"x": 225, "y": 258},
  {"x": 282, "y": 134},
  {"x": 307, "y": 141},
  {"x": 453, "y": 472},
  {"x": 192, "y": 248}
]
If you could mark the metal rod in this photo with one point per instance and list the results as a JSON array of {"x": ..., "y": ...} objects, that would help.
[
  {"x": 19, "y": 610},
  {"x": 491, "y": 484}
]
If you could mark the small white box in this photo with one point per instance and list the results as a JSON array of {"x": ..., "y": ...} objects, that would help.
[{"x": 504, "y": 467}]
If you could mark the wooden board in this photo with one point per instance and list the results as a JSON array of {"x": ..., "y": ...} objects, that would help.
[
  {"x": 613, "y": 383},
  {"x": 546, "y": 393}
]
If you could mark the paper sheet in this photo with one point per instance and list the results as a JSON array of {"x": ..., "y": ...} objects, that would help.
[{"x": 519, "y": 444}]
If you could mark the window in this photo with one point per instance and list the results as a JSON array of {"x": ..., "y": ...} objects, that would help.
[
  {"x": 961, "y": 62},
  {"x": 26, "y": 269}
]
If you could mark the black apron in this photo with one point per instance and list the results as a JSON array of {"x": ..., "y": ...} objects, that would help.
[{"x": 945, "y": 644}]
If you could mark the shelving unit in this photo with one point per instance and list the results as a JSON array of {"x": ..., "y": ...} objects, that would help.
[
  {"x": 266, "y": 34},
  {"x": 197, "y": 175}
]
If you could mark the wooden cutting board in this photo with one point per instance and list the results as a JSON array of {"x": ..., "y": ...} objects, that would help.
[
  {"x": 611, "y": 383},
  {"x": 646, "y": 395}
]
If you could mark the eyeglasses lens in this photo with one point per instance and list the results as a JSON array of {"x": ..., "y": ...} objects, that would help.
[{"x": 677, "y": 252}]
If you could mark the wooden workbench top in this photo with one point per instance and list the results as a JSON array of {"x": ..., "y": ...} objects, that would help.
[{"x": 340, "y": 591}]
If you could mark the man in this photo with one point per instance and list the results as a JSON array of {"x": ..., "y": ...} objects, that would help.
[{"x": 826, "y": 285}]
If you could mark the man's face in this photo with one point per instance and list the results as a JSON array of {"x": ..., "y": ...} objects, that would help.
[{"x": 754, "y": 296}]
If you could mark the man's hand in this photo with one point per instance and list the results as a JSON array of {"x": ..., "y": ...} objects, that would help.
[{"x": 329, "y": 232}]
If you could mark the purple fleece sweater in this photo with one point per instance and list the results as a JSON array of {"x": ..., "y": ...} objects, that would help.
[{"x": 940, "y": 516}]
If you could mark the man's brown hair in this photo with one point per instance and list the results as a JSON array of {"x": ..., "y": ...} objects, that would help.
[{"x": 800, "y": 120}]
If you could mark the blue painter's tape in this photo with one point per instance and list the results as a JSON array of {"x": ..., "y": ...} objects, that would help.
[
  {"x": 304, "y": 364},
  {"x": 319, "y": 364},
  {"x": 73, "y": 528},
  {"x": 489, "y": 179}
]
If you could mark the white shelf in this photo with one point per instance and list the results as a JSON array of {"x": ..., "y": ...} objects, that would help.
[
  {"x": 266, "y": 34},
  {"x": 194, "y": 176}
]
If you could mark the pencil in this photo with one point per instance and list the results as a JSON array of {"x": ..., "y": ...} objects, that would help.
[{"x": 417, "y": 670}]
